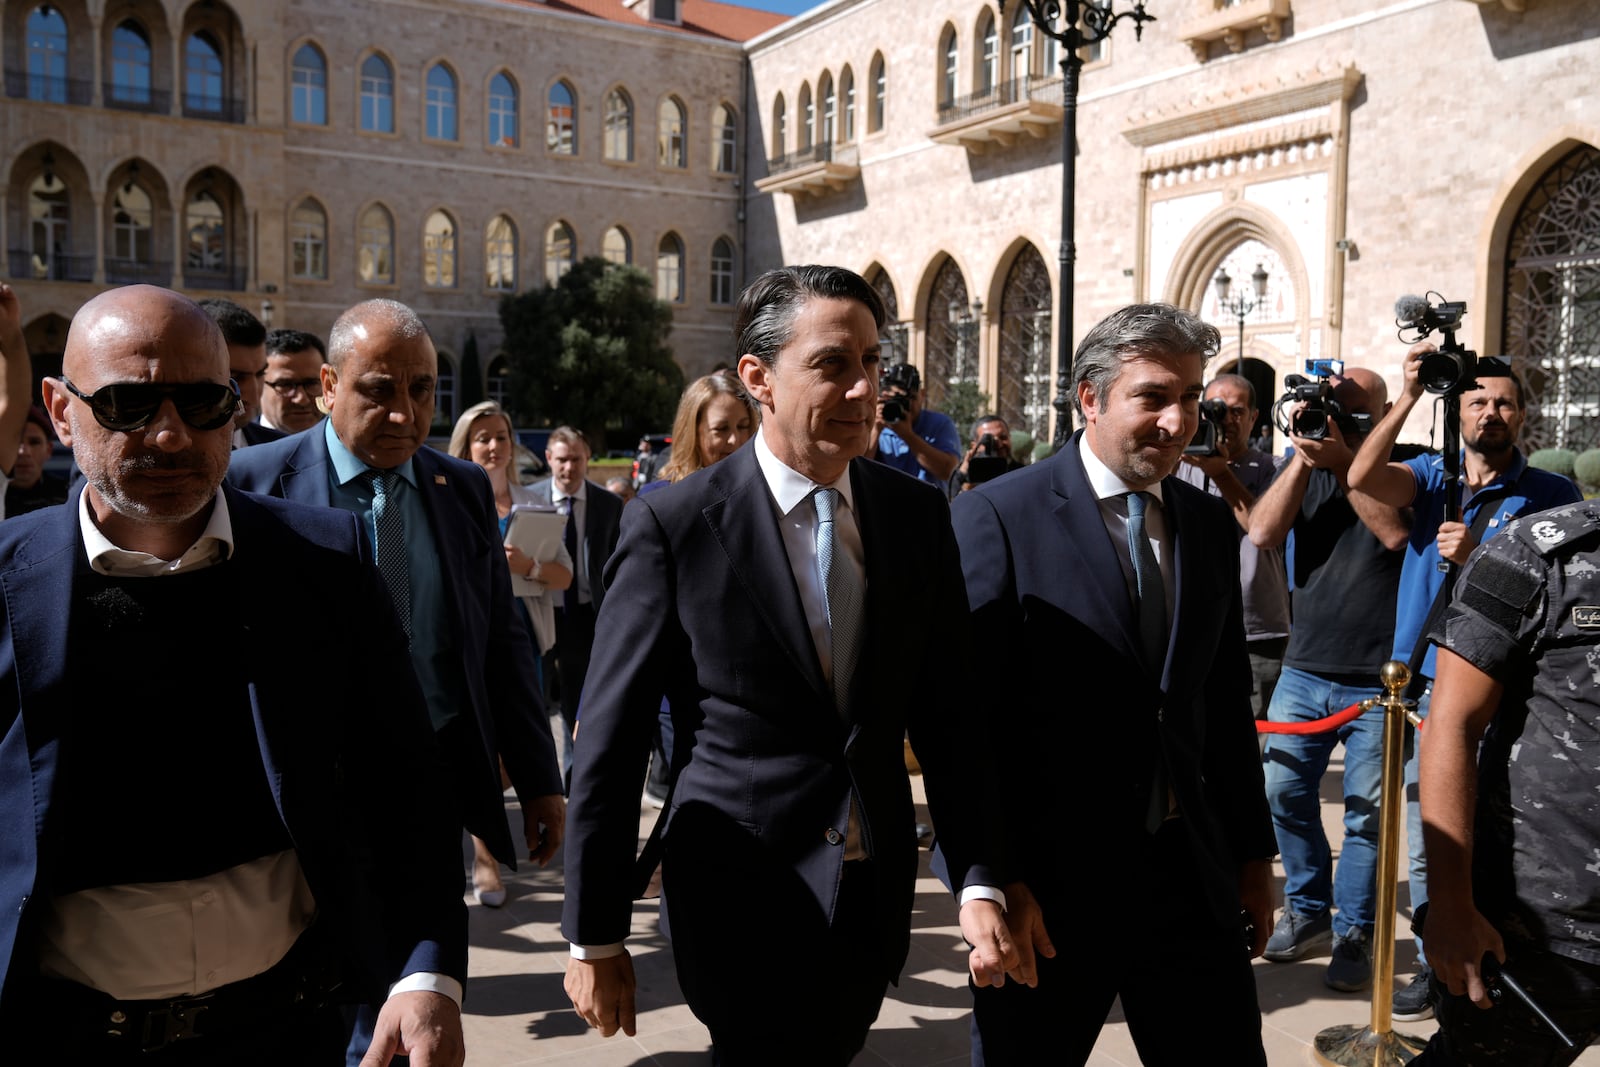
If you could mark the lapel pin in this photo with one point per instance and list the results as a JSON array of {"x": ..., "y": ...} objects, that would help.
[{"x": 438, "y": 479}]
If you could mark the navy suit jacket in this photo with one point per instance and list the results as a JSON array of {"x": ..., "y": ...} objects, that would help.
[
  {"x": 704, "y": 608},
  {"x": 601, "y": 527},
  {"x": 344, "y": 750},
  {"x": 1056, "y": 628},
  {"x": 487, "y": 625}
]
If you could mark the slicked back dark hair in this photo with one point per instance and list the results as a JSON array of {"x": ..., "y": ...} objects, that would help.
[
  {"x": 238, "y": 326},
  {"x": 290, "y": 342},
  {"x": 764, "y": 322}
]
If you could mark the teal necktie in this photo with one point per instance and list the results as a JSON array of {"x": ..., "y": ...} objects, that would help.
[
  {"x": 841, "y": 589},
  {"x": 389, "y": 543}
]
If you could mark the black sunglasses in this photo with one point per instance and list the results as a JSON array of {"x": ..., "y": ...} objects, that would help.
[{"x": 128, "y": 406}]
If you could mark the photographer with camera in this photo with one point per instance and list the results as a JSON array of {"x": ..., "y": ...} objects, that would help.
[
  {"x": 1345, "y": 566},
  {"x": 988, "y": 457},
  {"x": 908, "y": 436},
  {"x": 1496, "y": 484},
  {"x": 1221, "y": 461}
]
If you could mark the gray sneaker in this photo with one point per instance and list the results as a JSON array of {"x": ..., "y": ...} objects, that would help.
[
  {"x": 1297, "y": 936},
  {"x": 1350, "y": 969},
  {"x": 1414, "y": 1002}
]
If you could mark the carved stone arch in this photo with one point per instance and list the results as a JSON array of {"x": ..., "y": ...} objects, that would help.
[
  {"x": 949, "y": 336},
  {"x": 1019, "y": 325}
]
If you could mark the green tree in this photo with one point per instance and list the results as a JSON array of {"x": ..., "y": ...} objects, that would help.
[
  {"x": 471, "y": 373},
  {"x": 591, "y": 352}
]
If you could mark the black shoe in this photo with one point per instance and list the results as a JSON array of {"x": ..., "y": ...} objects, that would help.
[
  {"x": 1414, "y": 1002},
  {"x": 1350, "y": 969},
  {"x": 1297, "y": 936}
]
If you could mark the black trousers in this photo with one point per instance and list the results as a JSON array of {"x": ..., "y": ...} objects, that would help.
[
  {"x": 574, "y": 643},
  {"x": 1184, "y": 979}
]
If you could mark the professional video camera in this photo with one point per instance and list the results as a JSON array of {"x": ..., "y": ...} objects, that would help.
[
  {"x": 1453, "y": 369},
  {"x": 904, "y": 379},
  {"x": 1319, "y": 404},
  {"x": 987, "y": 462},
  {"x": 1207, "y": 440}
]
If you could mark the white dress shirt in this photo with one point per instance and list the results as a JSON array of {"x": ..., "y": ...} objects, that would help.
[{"x": 1110, "y": 490}]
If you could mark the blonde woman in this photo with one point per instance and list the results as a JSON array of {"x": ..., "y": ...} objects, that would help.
[{"x": 483, "y": 435}]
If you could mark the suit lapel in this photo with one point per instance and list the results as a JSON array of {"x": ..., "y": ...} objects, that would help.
[
  {"x": 305, "y": 474},
  {"x": 1087, "y": 552}
]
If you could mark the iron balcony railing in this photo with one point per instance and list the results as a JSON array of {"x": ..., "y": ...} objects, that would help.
[
  {"x": 25, "y": 85},
  {"x": 127, "y": 98},
  {"x": 219, "y": 108},
  {"x": 135, "y": 271},
  {"x": 52, "y": 268},
  {"x": 224, "y": 280},
  {"x": 1041, "y": 88},
  {"x": 825, "y": 152}
]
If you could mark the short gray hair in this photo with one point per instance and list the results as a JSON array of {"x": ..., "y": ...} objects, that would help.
[
  {"x": 1134, "y": 331},
  {"x": 396, "y": 318}
]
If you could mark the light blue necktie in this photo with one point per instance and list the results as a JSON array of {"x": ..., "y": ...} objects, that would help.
[
  {"x": 389, "y": 537},
  {"x": 1150, "y": 602},
  {"x": 841, "y": 589}
]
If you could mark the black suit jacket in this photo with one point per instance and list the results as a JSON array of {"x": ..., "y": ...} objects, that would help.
[
  {"x": 601, "y": 526},
  {"x": 348, "y": 753},
  {"x": 1056, "y": 631},
  {"x": 490, "y": 629},
  {"x": 703, "y": 607},
  {"x": 256, "y": 434}
]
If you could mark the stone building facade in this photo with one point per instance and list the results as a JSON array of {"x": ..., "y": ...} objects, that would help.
[{"x": 1351, "y": 150}]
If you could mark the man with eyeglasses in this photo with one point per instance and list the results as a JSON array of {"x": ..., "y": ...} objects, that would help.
[
  {"x": 247, "y": 363},
  {"x": 294, "y": 381},
  {"x": 190, "y": 834}
]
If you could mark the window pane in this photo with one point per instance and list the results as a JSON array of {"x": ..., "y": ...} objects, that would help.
[
  {"x": 376, "y": 261},
  {"x": 308, "y": 241},
  {"x": 619, "y": 126},
  {"x": 561, "y": 121},
  {"x": 203, "y": 74},
  {"x": 616, "y": 247},
  {"x": 503, "y": 113},
  {"x": 47, "y": 55},
  {"x": 669, "y": 269},
  {"x": 847, "y": 89},
  {"x": 439, "y": 251},
  {"x": 441, "y": 108},
  {"x": 670, "y": 135},
  {"x": 722, "y": 272},
  {"x": 377, "y": 96},
  {"x": 880, "y": 95},
  {"x": 500, "y": 255},
  {"x": 130, "y": 64},
  {"x": 310, "y": 87},
  {"x": 559, "y": 251},
  {"x": 207, "y": 235},
  {"x": 49, "y": 213},
  {"x": 131, "y": 216}
]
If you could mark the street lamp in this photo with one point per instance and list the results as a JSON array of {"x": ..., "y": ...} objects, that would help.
[
  {"x": 1242, "y": 304},
  {"x": 1080, "y": 24}
]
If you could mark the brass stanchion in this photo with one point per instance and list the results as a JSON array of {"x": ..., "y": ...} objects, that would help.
[{"x": 1378, "y": 1045}]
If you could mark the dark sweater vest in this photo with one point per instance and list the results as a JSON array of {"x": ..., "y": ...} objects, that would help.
[{"x": 161, "y": 776}]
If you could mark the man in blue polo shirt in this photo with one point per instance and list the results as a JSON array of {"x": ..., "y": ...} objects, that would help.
[
  {"x": 920, "y": 442},
  {"x": 1496, "y": 485}
]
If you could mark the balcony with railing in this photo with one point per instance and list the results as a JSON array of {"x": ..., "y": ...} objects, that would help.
[
  {"x": 136, "y": 98},
  {"x": 1232, "y": 24},
  {"x": 25, "y": 85},
  {"x": 216, "y": 108},
  {"x": 227, "y": 280},
  {"x": 50, "y": 268},
  {"x": 816, "y": 171},
  {"x": 138, "y": 271},
  {"x": 1029, "y": 106}
]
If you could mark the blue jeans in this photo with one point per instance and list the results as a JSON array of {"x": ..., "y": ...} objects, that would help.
[
  {"x": 1418, "y": 873},
  {"x": 1294, "y": 765}
]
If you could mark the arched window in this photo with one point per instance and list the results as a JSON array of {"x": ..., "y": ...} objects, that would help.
[
  {"x": 47, "y": 55},
  {"x": 132, "y": 215},
  {"x": 669, "y": 269},
  {"x": 375, "y": 235},
  {"x": 503, "y": 123},
  {"x": 616, "y": 246},
  {"x": 989, "y": 57},
  {"x": 619, "y": 126},
  {"x": 441, "y": 108},
  {"x": 878, "y": 108},
  {"x": 202, "y": 74},
  {"x": 893, "y": 328},
  {"x": 206, "y": 229},
  {"x": 1026, "y": 386},
  {"x": 308, "y": 241},
  {"x": 1021, "y": 43},
  {"x": 950, "y": 354},
  {"x": 49, "y": 226},
  {"x": 309, "y": 87},
  {"x": 847, "y": 97},
  {"x": 377, "y": 95},
  {"x": 672, "y": 148},
  {"x": 950, "y": 54},
  {"x": 830, "y": 110},
  {"x": 498, "y": 384},
  {"x": 724, "y": 140},
  {"x": 780, "y": 133},
  {"x": 722, "y": 271},
  {"x": 561, "y": 120},
  {"x": 500, "y": 255},
  {"x": 130, "y": 64},
  {"x": 807, "y": 117},
  {"x": 560, "y": 252},
  {"x": 439, "y": 251}
]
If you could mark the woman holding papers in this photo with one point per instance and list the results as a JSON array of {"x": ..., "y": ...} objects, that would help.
[{"x": 538, "y": 559}]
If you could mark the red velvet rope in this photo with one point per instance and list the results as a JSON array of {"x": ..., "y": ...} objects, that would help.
[{"x": 1314, "y": 726}]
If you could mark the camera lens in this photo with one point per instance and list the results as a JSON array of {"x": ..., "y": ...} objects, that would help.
[{"x": 1440, "y": 372}]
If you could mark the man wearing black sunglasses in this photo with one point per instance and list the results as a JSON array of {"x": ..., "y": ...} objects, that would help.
[{"x": 190, "y": 831}]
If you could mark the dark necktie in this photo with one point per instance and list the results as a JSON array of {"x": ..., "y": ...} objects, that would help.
[
  {"x": 569, "y": 598},
  {"x": 389, "y": 537},
  {"x": 1150, "y": 602},
  {"x": 841, "y": 590}
]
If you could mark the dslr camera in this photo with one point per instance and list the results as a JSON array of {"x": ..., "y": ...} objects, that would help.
[
  {"x": 1319, "y": 406},
  {"x": 1453, "y": 369},
  {"x": 1207, "y": 440},
  {"x": 905, "y": 381},
  {"x": 986, "y": 463}
]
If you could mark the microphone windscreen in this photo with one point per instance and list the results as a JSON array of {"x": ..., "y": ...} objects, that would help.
[{"x": 1409, "y": 309}]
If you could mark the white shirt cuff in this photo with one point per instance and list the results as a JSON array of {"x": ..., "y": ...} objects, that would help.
[
  {"x": 428, "y": 982},
  {"x": 596, "y": 952},
  {"x": 983, "y": 892}
]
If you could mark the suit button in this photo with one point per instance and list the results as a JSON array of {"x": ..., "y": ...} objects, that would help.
[{"x": 833, "y": 836}]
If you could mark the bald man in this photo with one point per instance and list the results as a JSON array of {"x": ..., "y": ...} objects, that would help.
[{"x": 230, "y": 902}]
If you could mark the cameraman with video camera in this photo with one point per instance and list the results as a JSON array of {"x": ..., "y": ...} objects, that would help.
[
  {"x": 909, "y": 437},
  {"x": 989, "y": 455},
  {"x": 1496, "y": 485},
  {"x": 1221, "y": 461}
]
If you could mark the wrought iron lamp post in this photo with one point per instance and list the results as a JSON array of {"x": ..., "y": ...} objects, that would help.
[
  {"x": 1072, "y": 24},
  {"x": 1242, "y": 303}
]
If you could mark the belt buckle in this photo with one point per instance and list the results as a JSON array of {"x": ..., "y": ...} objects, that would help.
[{"x": 175, "y": 1022}]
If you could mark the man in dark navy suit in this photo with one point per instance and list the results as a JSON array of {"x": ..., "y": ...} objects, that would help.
[
  {"x": 202, "y": 847},
  {"x": 745, "y": 593},
  {"x": 1106, "y": 608},
  {"x": 247, "y": 363}
]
